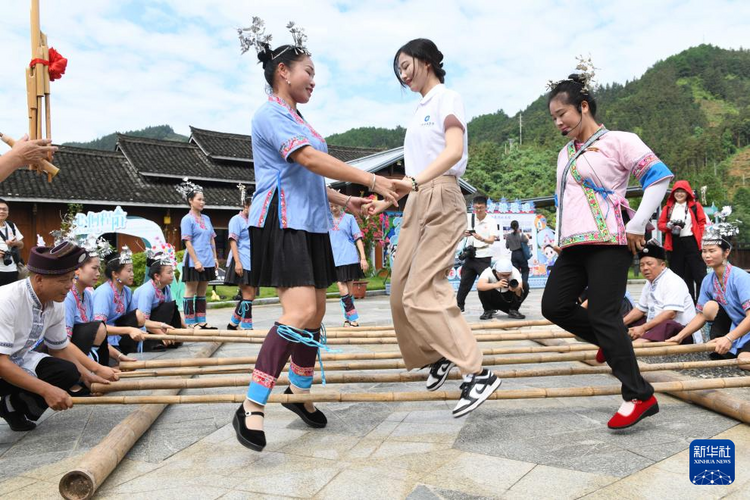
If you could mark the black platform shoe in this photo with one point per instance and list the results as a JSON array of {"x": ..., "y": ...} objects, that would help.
[
  {"x": 230, "y": 326},
  {"x": 249, "y": 438},
  {"x": 315, "y": 419}
]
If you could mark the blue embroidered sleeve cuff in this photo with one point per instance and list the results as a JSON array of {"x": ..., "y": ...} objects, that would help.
[{"x": 654, "y": 173}]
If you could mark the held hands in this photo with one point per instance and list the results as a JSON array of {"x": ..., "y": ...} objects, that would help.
[
  {"x": 375, "y": 207},
  {"x": 385, "y": 188},
  {"x": 636, "y": 242},
  {"x": 403, "y": 187},
  {"x": 356, "y": 205}
]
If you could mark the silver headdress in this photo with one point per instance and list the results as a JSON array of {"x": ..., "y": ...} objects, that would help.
[
  {"x": 586, "y": 72},
  {"x": 255, "y": 36},
  {"x": 721, "y": 230},
  {"x": 125, "y": 256},
  {"x": 96, "y": 247},
  {"x": 187, "y": 188},
  {"x": 243, "y": 194}
]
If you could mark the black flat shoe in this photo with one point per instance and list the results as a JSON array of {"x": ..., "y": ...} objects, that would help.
[
  {"x": 315, "y": 419},
  {"x": 16, "y": 420},
  {"x": 230, "y": 326},
  {"x": 205, "y": 326},
  {"x": 249, "y": 438}
]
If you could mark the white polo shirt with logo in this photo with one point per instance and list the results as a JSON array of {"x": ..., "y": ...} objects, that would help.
[{"x": 425, "y": 135}]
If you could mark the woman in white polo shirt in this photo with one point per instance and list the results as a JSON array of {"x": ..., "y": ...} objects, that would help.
[{"x": 430, "y": 328}]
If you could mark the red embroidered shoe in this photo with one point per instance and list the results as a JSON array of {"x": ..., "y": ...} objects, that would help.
[
  {"x": 632, "y": 412},
  {"x": 600, "y": 356}
]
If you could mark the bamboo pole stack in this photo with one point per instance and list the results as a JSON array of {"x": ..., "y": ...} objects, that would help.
[{"x": 82, "y": 482}]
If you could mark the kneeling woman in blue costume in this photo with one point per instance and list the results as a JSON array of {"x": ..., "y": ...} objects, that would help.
[
  {"x": 289, "y": 220},
  {"x": 239, "y": 265},
  {"x": 153, "y": 299},
  {"x": 113, "y": 304},
  {"x": 87, "y": 333},
  {"x": 724, "y": 299},
  {"x": 349, "y": 257}
]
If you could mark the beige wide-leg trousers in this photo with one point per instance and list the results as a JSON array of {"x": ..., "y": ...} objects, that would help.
[{"x": 428, "y": 323}]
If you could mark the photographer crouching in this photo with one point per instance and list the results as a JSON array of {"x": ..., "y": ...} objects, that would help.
[
  {"x": 477, "y": 254},
  {"x": 502, "y": 288}
]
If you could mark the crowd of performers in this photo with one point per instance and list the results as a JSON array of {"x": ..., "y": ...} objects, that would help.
[{"x": 295, "y": 235}]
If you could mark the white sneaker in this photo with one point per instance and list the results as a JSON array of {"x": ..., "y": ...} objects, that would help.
[
  {"x": 439, "y": 373},
  {"x": 475, "y": 391}
]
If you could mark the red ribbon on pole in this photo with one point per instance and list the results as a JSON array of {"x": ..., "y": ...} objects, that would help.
[{"x": 57, "y": 64}]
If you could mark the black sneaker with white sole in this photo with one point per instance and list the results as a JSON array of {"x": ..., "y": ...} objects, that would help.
[
  {"x": 474, "y": 392},
  {"x": 439, "y": 373}
]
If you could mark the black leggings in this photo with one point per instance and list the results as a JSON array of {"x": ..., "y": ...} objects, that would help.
[
  {"x": 55, "y": 371},
  {"x": 685, "y": 260},
  {"x": 604, "y": 269}
]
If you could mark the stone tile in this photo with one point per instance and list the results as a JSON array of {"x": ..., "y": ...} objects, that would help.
[
  {"x": 279, "y": 474},
  {"x": 373, "y": 483},
  {"x": 553, "y": 482},
  {"x": 320, "y": 445},
  {"x": 478, "y": 474},
  {"x": 126, "y": 471},
  {"x": 38, "y": 489},
  {"x": 15, "y": 483},
  {"x": 186, "y": 492},
  {"x": 423, "y": 432},
  {"x": 414, "y": 456},
  {"x": 19, "y": 465}
]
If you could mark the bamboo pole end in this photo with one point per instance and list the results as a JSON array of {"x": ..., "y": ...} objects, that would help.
[{"x": 77, "y": 485}]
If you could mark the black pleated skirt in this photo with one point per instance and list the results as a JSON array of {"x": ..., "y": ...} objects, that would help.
[
  {"x": 231, "y": 277},
  {"x": 349, "y": 272},
  {"x": 208, "y": 274},
  {"x": 284, "y": 258}
]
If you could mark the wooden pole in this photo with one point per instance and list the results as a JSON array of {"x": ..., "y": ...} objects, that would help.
[
  {"x": 398, "y": 364},
  {"x": 495, "y": 325},
  {"x": 383, "y": 378},
  {"x": 249, "y": 360},
  {"x": 350, "y": 334},
  {"x": 490, "y": 337},
  {"x": 364, "y": 397},
  {"x": 99, "y": 462}
]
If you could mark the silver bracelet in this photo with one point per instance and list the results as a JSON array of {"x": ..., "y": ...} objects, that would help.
[{"x": 372, "y": 184}]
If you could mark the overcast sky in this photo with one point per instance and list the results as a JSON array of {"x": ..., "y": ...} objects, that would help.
[{"x": 133, "y": 64}]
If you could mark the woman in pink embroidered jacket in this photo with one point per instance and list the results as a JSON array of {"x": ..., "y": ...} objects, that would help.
[{"x": 598, "y": 234}]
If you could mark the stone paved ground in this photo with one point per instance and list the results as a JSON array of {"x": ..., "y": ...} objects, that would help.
[{"x": 535, "y": 448}]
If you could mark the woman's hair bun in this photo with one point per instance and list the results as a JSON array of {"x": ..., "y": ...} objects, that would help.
[
  {"x": 265, "y": 55},
  {"x": 578, "y": 78}
]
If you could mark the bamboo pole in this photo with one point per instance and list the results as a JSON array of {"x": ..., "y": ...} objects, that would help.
[
  {"x": 350, "y": 334},
  {"x": 383, "y": 378},
  {"x": 99, "y": 462},
  {"x": 496, "y": 325},
  {"x": 249, "y": 360},
  {"x": 398, "y": 364},
  {"x": 364, "y": 397},
  {"x": 490, "y": 337}
]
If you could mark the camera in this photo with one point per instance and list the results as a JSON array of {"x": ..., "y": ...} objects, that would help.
[
  {"x": 469, "y": 252},
  {"x": 677, "y": 226},
  {"x": 7, "y": 256},
  {"x": 513, "y": 284}
]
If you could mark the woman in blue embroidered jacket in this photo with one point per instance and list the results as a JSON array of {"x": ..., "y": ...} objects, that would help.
[
  {"x": 200, "y": 260},
  {"x": 289, "y": 220},
  {"x": 113, "y": 304},
  {"x": 349, "y": 257},
  {"x": 239, "y": 265},
  {"x": 154, "y": 302},
  {"x": 724, "y": 299}
]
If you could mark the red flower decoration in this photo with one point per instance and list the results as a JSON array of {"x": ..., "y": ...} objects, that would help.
[{"x": 57, "y": 65}]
